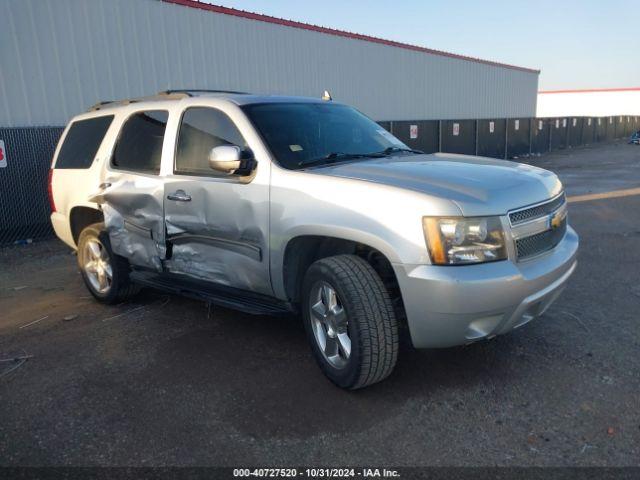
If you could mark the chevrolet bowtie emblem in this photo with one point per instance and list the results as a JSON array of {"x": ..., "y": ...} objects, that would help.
[{"x": 556, "y": 219}]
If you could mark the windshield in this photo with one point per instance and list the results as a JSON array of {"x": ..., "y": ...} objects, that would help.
[{"x": 310, "y": 134}]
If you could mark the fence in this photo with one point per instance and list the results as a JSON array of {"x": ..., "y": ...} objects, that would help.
[
  {"x": 25, "y": 159},
  {"x": 510, "y": 138},
  {"x": 27, "y": 153}
]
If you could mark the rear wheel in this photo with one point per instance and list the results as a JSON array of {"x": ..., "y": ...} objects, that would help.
[
  {"x": 350, "y": 321},
  {"x": 105, "y": 274}
]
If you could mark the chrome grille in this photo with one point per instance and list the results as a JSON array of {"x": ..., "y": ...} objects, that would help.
[
  {"x": 537, "y": 211},
  {"x": 540, "y": 242}
]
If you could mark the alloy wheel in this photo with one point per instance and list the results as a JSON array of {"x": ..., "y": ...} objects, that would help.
[
  {"x": 97, "y": 266},
  {"x": 329, "y": 323}
]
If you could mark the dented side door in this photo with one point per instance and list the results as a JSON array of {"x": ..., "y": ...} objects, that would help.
[
  {"x": 216, "y": 225},
  {"x": 131, "y": 193},
  {"x": 132, "y": 208}
]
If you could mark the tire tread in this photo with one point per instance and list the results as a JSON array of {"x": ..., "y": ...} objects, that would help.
[{"x": 372, "y": 309}]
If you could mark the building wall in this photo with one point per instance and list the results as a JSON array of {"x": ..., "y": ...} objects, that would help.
[
  {"x": 58, "y": 58},
  {"x": 589, "y": 103}
]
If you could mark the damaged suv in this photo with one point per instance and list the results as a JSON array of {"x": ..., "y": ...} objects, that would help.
[{"x": 270, "y": 205}]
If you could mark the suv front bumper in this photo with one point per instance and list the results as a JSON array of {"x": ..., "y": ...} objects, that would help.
[{"x": 456, "y": 305}]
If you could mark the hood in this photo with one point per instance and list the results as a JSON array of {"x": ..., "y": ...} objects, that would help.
[{"x": 477, "y": 185}]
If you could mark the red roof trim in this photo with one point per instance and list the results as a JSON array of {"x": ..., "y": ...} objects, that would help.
[
  {"x": 339, "y": 33},
  {"x": 592, "y": 90}
]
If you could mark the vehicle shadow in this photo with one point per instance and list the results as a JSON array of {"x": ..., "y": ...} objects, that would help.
[{"x": 259, "y": 376}]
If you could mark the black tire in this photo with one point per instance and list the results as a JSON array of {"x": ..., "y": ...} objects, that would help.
[
  {"x": 121, "y": 288},
  {"x": 371, "y": 320}
]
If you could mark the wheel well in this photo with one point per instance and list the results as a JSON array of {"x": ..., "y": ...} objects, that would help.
[
  {"x": 301, "y": 252},
  {"x": 82, "y": 217}
]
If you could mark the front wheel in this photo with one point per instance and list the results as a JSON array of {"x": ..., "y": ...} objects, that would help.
[
  {"x": 350, "y": 321},
  {"x": 105, "y": 274}
]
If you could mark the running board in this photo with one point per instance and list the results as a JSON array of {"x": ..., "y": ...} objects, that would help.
[{"x": 236, "y": 299}]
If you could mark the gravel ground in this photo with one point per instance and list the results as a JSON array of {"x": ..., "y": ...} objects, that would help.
[{"x": 165, "y": 381}]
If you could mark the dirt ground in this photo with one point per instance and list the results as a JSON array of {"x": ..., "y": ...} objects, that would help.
[{"x": 164, "y": 380}]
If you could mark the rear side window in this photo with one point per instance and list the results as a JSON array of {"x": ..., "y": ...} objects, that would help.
[
  {"x": 82, "y": 142},
  {"x": 202, "y": 129},
  {"x": 139, "y": 147}
]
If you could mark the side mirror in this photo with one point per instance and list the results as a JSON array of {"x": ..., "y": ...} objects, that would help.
[{"x": 229, "y": 159}]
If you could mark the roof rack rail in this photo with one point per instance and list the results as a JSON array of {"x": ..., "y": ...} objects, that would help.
[
  {"x": 111, "y": 103},
  {"x": 163, "y": 95},
  {"x": 168, "y": 95},
  {"x": 190, "y": 91},
  {"x": 98, "y": 105}
]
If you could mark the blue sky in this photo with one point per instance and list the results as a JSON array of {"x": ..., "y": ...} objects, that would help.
[{"x": 576, "y": 44}]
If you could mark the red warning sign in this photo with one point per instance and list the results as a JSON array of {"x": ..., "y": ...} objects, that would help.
[{"x": 3, "y": 155}]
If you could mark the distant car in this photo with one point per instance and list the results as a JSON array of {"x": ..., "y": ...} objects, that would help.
[
  {"x": 281, "y": 204},
  {"x": 635, "y": 138}
]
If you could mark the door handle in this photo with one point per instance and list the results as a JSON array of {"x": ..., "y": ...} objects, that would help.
[{"x": 179, "y": 196}]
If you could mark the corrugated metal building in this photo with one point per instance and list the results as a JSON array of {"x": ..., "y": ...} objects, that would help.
[
  {"x": 58, "y": 58},
  {"x": 599, "y": 102}
]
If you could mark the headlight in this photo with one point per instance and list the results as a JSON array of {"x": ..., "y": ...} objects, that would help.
[{"x": 459, "y": 241}]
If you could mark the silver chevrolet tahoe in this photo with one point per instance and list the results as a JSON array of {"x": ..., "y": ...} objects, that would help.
[{"x": 271, "y": 204}]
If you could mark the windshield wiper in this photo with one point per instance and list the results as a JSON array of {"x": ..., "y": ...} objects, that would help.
[
  {"x": 336, "y": 156},
  {"x": 390, "y": 150}
]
